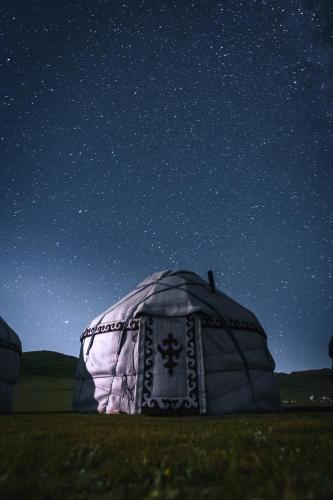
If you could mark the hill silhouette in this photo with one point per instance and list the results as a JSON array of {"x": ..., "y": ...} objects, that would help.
[
  {"x": 307, "y": 387},
  {"x": 47, "y": 381},
  {"x": 47, "y": 364}
]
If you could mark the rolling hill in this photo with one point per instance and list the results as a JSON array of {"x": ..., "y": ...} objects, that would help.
[
  {"x": 306, "y": 388},
  {"x": 47, "y": 383},
  {"x": 47, "y": 364}
]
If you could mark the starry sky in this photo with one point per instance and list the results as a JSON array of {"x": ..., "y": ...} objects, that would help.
[{"x": 137, "y": 136}]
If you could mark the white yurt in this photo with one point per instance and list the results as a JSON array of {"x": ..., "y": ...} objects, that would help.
[
  {"x": 175, "y": 345},
  {"x": 10, "y": 354}
]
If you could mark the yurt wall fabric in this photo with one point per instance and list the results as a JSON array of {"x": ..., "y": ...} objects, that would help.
[
  {"x": 155, "y": 366},
  {"x": 10, "y": 353},
  {"x": 106, "y": 378},
  {"x": 175, "y": 345},
  {"x": 231, "y": 387}
]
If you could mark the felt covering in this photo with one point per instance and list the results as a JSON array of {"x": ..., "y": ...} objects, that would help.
[
  {"x": 175, "y": 345},
  {"x": 10, "y": 353}
]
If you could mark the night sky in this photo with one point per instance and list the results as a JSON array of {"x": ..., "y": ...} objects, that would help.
[{"x": 138, "y": 136}]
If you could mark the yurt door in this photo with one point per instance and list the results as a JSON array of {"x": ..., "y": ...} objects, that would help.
[{"x": 171, "y": 375}]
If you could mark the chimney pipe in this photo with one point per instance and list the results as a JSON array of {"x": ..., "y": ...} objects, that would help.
[{"x": 211, "y": 281}]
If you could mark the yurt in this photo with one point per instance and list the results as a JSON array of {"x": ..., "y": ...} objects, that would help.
[
  {"x": 175, "y": 345},
  {"x": 10, "y": 354}
]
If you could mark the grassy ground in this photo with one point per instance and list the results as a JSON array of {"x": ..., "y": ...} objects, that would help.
[
  {"x": 269, "y": 457},
  {"x": 40, "y": 394}
]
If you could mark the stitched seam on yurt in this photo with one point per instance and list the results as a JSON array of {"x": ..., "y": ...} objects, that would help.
[
  {"x": 10, "y": 345},
  {"x": 115, "y": 369},
  {"x": 231, "y": 300},
  {"x": 131, "y": 315},
  {"x": 124, "y": 331},
  {"x": 228, "y": 330},
  {"x": 221, "y": 294},
  {"x": 261, "y": 368},
  {"x": 180, "y": 287},
  {"x": 268, "y": 355},
  {"x": 107, "y": 312},
  {"x": 204, "y": 285},
  {"x": 118, "y": 353},
  {"x": 224, "y": 325},
  {"x": 217, "y": 292},
  {"x": 115, "y": 393},
  {"x": 136, "y": 291},
  {"x": 200, "y": 364},
  {"x": 106, "y": 376},
  {"x": 233, "y": 338},
  {"x": 125, "y": 299},
  {"x": 226, "y": 353},
  {"x": 127, "y": 320},
  {"x": 236, "y": 388},
  {"x": 14, "y": 348},
  {"x": 133, "y": 295}
]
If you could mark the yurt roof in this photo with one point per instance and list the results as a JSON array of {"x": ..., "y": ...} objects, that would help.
[
  {"x": 174, "y": 293},
  {"x": 8, "y": 338}
]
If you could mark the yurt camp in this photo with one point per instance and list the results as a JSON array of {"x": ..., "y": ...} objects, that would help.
[
  {"x": 10, "y": 354},
  {"x": 175, "y": 345}
]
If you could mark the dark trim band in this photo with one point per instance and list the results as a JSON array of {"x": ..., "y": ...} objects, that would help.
[
  {"x": 5, "y": 344},
  {"x": 115, "y": 326},
  {"x": 235, "y": 324},
  {"x": 206, "y": 322}
]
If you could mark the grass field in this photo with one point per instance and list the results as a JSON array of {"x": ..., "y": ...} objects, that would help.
[
  {"x": 269, "y": 457},
  {"x": 63, "y": 455}
]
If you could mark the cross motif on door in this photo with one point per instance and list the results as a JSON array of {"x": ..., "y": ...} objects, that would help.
[{"x": 170, "y": 352}]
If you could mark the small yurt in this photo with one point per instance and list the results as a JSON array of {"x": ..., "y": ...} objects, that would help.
[
  {"x": 10, "y": 354},
  {"x": 175, "y": 345}
]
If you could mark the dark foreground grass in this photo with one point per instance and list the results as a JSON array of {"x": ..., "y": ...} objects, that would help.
[{"x": 269, "y": 457}]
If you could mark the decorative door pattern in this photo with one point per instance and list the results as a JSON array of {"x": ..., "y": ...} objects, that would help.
[
  {"x": 170, "y": 366},
  {"x": 170, "y": 351}
]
